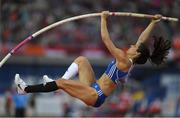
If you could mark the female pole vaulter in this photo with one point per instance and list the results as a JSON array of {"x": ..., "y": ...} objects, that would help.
[{"x": 94, "y": 92}]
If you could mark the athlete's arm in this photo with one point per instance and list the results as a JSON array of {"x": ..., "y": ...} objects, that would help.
[
  {"x": 146, "y": 33},
  {"x": 116, "y": 52}
]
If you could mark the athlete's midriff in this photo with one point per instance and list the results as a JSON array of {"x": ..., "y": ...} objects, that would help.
[
  {"x": 106, "y": 84},
  {"x": 108, "y": 80}
]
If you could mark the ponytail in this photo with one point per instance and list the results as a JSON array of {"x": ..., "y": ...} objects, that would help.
[{"x": 161, "y": 50}]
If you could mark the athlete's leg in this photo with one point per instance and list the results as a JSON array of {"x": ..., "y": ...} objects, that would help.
[
  {"x": 86, "y": 73},
  {"x": 82, "y": 66},
  {"x": 78, "y": 90}
]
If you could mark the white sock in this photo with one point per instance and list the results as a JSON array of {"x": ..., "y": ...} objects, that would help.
[{"x": 71, "y": 71}]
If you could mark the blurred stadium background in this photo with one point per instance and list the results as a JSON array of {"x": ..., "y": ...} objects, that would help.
[{"x": 150, "y": 91}]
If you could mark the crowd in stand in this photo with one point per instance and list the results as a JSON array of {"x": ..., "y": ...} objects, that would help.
[{"x": 21, "y": 18}]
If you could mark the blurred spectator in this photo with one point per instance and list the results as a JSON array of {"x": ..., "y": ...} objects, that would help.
[
  {"x": 8, "y": 104},
  {"x": 139, "y": 106},
  {"x": 125, "y": 102},
  {"x": 67, "y": 110},
  {"x": 154, "y": 109},
  {"x": 177, "y": 111},
  {"x": 32, "y": 105},
  {"x": 20, "y": 104}
]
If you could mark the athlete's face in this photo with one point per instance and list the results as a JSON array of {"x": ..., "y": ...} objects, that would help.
[{"x": 132, "y": 52}]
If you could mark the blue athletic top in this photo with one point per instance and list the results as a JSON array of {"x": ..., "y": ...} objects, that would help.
[{"x": 114, "y": 73}]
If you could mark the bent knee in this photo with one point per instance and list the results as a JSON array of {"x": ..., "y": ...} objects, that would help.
[{"x": 81, "y": 59}]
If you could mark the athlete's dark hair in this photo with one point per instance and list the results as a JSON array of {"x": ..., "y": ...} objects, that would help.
[
  {"x": 161, "y": 50},
  {"x": 159, "y": 55},
  {"x": 144, "y": 54}
]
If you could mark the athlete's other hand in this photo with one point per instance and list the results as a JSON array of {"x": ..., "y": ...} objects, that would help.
[
  {"x": 157, "y": 18},
  {"x": 105, "y": 14}
]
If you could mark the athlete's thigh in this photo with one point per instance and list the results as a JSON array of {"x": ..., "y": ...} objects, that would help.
[
  {"x": 86, "y": 73},
  {"x": 78, "y": 90}
]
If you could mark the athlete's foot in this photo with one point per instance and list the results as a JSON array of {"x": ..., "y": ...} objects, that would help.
[
  {"x": 20, "y": 84},
  {"x": 46, "y": 79}
]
